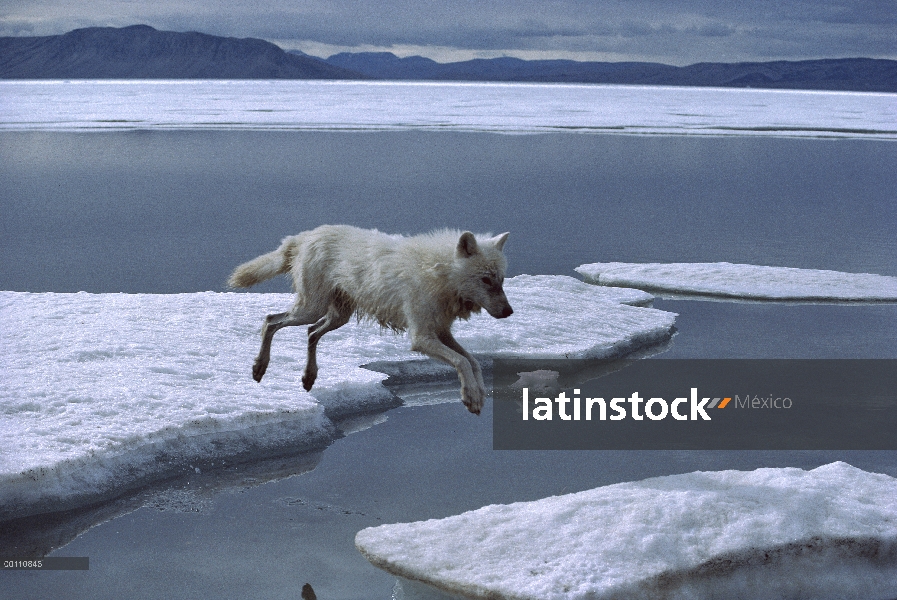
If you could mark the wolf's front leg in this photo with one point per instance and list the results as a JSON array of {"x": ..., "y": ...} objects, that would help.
[
  {"x": 473, "y": 397},
  {"x": 449, "y": 340},
  {"x": 473, "y": 391}
]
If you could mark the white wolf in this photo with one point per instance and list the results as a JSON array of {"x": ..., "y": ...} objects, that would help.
[{"x": 420, "y": 284}]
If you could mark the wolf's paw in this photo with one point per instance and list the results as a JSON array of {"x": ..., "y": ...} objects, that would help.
[
  {"x": 258, "y": 369},
  {"x": 308, "y": 380},
  {"x": 473, "y": 398}
]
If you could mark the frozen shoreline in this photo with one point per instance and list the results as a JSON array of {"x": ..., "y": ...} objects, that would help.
[
  {"x": 511, "y": 108},
  {"x": 747, "y": 282},
  {"x": 105, "y": 392}
]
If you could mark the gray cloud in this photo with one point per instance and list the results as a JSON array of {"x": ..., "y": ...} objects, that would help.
[{"x": 678, "y": 32}]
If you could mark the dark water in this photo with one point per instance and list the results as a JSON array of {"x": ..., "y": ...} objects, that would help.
[
  {"x": 175, "y": 211},
  {"x": 166, "y": 212}
]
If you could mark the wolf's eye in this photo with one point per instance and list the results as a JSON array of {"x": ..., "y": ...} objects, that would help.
[{"x": 486, "y": 280}]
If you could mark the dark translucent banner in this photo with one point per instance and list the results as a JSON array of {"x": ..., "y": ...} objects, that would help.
[
  {"x": 695, "y": 405},
  {"x": 53, "y": 563}
]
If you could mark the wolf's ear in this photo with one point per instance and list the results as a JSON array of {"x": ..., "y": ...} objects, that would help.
[
  {"x": 501, "y": 239},
  {"x": 467, "y": 245}
]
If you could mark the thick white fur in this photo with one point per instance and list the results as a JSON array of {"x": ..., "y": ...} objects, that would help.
[{"x": 420, "y": 284}]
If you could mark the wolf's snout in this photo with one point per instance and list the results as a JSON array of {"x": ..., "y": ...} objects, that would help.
[{"x": 506, "y": 312}]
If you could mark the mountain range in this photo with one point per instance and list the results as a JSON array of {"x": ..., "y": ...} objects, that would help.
[
  {"x": 857, "y": 74},
  {"x": 142, "y": 52}
]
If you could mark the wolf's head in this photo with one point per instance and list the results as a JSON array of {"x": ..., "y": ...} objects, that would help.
[{"x": 482, "y": 265}]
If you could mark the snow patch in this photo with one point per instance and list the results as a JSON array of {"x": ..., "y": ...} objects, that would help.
[
  {"x": 513, "y": 108},
  {"x": 771, "y": 533},
  {"x": 751, "y": 282}
]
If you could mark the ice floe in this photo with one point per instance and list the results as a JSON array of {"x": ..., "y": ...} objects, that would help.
[
  {"x": 771, "y": 533},
  {"x": 441, "y": 106},
  {"x": 750, "y": 282},
  {"x": 104, "y": 392}
]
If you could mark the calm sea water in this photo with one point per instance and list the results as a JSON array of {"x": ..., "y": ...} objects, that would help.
[
  {"x": 173, "y": 211},
  {"x": 157, "y": 211}
]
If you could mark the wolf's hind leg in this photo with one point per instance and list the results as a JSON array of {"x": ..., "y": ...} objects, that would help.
[
  {"x": 297, "y": 316},
  {"x": 336, "y": 317}
]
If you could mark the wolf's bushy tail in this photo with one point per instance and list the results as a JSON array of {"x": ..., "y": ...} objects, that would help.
[{"x": 264, "y": 267}]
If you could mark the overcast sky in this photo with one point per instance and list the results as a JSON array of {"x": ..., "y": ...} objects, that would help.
[{"x": 675, "y": 32}]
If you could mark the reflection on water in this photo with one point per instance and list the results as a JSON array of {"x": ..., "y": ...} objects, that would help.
[{"x": 194, "y": 491}]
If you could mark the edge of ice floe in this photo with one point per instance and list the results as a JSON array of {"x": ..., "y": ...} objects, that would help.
[
  {"x": 828, "y": 533},
  {"x": 70, "y": 482},
  {"x": 733, "y": 281},
  {"x": 75, "y": 483}
]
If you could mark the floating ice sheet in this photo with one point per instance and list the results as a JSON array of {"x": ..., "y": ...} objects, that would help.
[
  {"x": 102, "y": 392},
  {"x": 750, "y": 282},
  {"x": 765, "y": 534},
  {"x": 441, "y": 106}
]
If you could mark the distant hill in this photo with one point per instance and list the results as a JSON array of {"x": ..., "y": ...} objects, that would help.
[
  {"x": 141, "y": 52},
  {"x": 856, "y": 74}
]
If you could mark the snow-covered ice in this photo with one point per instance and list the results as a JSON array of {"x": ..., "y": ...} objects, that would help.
[
  {"x": 771, "y": 533},
  {"x": 442, "y": 106},
  {"x": 749, "y": 282},
  {"x": 104, "y": 392}
]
